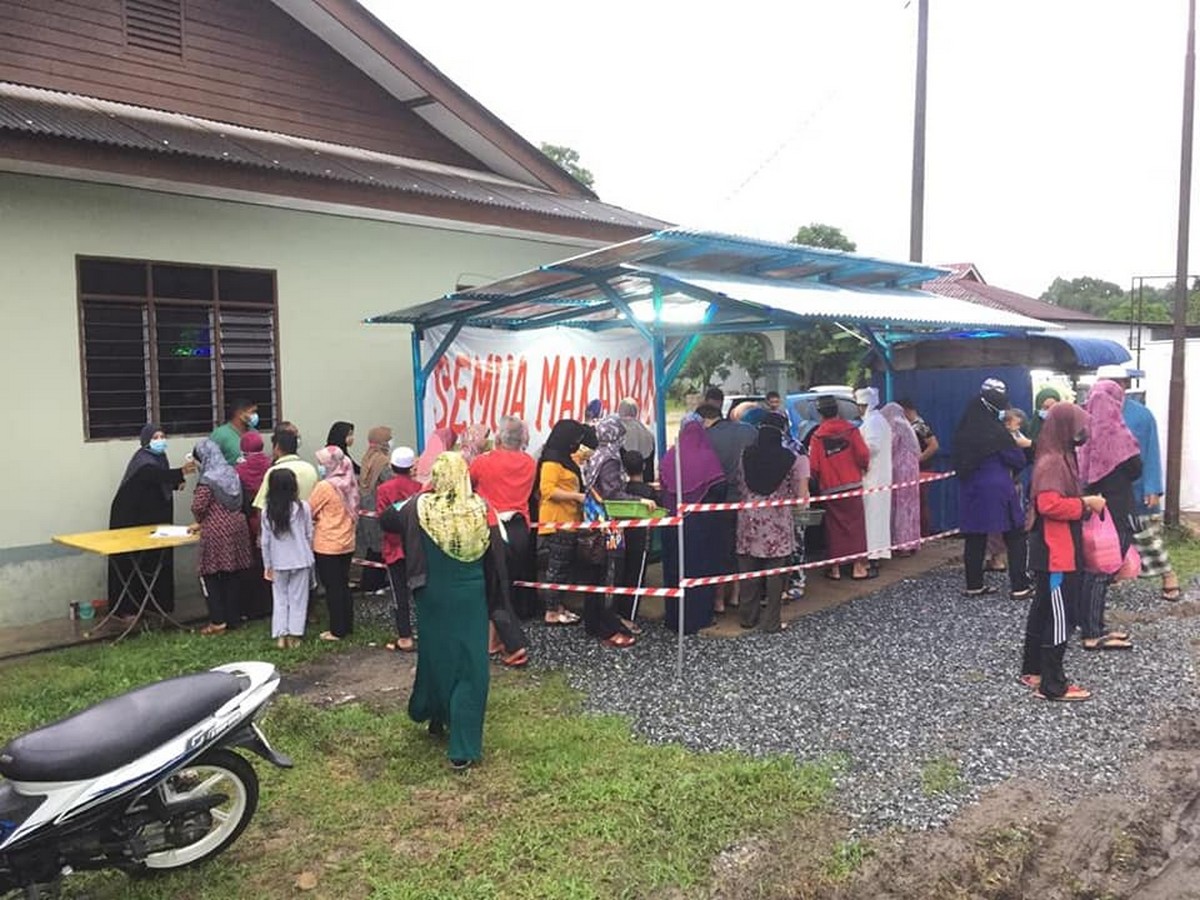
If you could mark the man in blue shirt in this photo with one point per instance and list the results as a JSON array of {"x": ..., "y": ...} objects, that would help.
[{"x": 1147, "y": 490}]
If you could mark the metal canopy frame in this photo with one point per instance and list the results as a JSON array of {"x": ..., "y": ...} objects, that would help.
[{"x": 674, "y": 286}]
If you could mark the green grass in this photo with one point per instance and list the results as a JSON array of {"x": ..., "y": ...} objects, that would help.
[
  {"x": 1184, "y": 549},
  {"x": 565, "y": 805},
  {"x": 846, "y": 859},
  {"x": 941, "y": 775}
]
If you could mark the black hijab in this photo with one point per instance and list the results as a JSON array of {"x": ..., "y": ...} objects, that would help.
[
  {"x": 564, "y": 439},
  {"x": 145, "y": 457},
  {"x": 981, "y": 431},
  {"x": 338, "y": 432},
  {"x": 766, "y": 462}
]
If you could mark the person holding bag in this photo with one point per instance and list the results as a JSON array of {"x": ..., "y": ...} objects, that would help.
[
  {"x": 1109, "y": 466},
  {"x": 1055, "y": 518}
]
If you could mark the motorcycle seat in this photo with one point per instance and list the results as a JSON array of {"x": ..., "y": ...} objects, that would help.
[{"x": 115, "y": 732}]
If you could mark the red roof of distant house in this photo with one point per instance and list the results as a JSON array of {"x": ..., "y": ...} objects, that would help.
[{"x": 965, "y": 283}]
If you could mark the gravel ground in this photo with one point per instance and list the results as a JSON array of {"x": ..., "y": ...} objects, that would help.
[{"x": 897, "y": 687}]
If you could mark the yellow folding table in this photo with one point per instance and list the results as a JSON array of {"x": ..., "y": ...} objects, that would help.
[{"x": 139, "y": 541}]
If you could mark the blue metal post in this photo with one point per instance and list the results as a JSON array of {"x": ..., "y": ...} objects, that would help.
[
  {"x": 418, "y": 390},
  {"x": 659, "y": 345}
]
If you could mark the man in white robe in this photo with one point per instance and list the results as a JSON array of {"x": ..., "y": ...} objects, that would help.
[{"x": 877, "y": 434}]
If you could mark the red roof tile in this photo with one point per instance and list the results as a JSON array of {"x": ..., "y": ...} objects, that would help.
[{"x": 959, "y": 283}]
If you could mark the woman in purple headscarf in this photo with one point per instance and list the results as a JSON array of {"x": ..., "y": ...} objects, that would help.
[
  {"x": 1109, "y": 463},
  {"x": 701, "y": 480}
]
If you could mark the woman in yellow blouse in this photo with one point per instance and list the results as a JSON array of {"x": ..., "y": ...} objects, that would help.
[{"x": 560, "y": 499}]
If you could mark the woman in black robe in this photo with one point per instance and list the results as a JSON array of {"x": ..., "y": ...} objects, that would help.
[{"x": 144, "y": 498}]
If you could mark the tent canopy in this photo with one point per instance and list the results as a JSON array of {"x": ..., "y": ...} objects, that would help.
[
  {"x": 673, "y": 282},
  {"x": 673, "y": 286}
]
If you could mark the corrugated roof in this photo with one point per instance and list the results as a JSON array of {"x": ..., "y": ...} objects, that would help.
[
  {"x": 91, "y": 120},
  {"x": 728, "y": 282},
  {"x": 960, "y": 282}
]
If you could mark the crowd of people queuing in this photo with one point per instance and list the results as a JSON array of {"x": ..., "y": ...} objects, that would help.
[{"x": 447, "y": 533}]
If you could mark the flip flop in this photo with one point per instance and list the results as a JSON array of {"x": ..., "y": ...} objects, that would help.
[
  {"x": 394, "y": 647},
  {"x": 1108, "y": 643},
  {"x": 1172, "y": 594},
  {"x": 1021, "y": 595},
  {"x": 1031, "y": 681},
  {"x": 517, "y": 659},
  {"x": 329, "y": 636},
  {"x": 981, "y": 592},
  {"x": 1073, "y": 694},
  {"x": 562, "y": 618}
]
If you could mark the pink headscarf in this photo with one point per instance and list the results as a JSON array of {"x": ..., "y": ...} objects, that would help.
[
  {"x": 339, "y": 472},
  {"x": 1110, "y": 442},
  {"x": 473, "y": 442},
  {"x": 253, "y": 467},
  {"x": 699, "y": 465},
  {"x": 439, "y": 442}
]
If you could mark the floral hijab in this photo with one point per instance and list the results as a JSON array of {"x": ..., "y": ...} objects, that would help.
[
  {"x": 218, "y": 475},
  {"x": 339, "y": 472},
  {"x": 453, "y": 516},
  {"x": 610, "y": 436}
]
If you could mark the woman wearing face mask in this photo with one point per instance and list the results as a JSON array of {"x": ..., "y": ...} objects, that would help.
[
  {"x": 1045, "y": 400},
  {"x": 144, "y": 498},
  {"x": 341, "y": 435},
  {"x": 334, "y": 504},
  {"x": 1056, "y": 511},
  {"x": 986, "y": 458}
]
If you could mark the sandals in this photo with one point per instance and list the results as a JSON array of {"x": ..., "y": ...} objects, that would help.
[
  {"x": 979, "y": 592},
  {"x": 619, "y": 640},
  {"x": 566, "y": 617},
  {"x": 1073, "y": 694},
  {"x": 394, "y": 646},
  {"x": 1108, "y": 642},
  {"x": 209, "y": 630},
  {"x": 1021, "y": 595},
  {"x": 329, "y": 636},
  {"x": 1172, "y": 594},
  {"x": 517, "y": 659},
  {"x": 1031, "y": 681},
  {"x": 631, "y": 626}
]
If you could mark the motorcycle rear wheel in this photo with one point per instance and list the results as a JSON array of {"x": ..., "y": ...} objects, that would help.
[{"x": 218, "y": 771}]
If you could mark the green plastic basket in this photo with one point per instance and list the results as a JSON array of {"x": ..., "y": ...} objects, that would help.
[{"x": 631, "y": 509}]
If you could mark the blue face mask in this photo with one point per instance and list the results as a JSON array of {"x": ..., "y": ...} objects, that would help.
[
  {"x": 1043, "y": 413},
  {"x": 253, "y": 420},
  {"x": 1001, "y": 414},
  {"x": 320, "y": 471},
  {"x": 158, "y": 445}
]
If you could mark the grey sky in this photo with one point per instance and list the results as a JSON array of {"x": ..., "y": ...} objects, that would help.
[{"x": 1053, "y": 124}]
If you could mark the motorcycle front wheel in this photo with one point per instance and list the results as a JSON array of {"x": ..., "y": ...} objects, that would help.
[{"x": 216, "y": 772}]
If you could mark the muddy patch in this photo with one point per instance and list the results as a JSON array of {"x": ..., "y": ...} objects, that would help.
[
  {"x": 1142, "y": 841},
  {"x": 377, "y": 678}
]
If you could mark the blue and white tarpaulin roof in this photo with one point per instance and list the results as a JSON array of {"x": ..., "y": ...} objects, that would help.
[{"x": 711, "y": 282}]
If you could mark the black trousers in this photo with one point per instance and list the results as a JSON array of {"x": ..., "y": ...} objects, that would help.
[
  {"x": 1018, "y": 559},
  {"x": 222, "y": 593},
  {"x": 1051, "y": 618},
  {"x": 397, "y": 574},
  {"x": 497, "y": 582},
  {"x": 334, "y": 571},
  {"x": 522, "y": 565},
  {"x": 560, "y": 565},
  {"x": 1093, "y": 600}
]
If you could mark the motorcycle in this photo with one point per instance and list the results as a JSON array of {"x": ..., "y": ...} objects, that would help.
[{"x": 143, "y": 782}]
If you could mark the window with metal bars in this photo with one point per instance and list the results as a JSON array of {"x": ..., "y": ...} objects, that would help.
[
  {"x": 155, "y": 25},
  {"x": 170, "y": 343}
]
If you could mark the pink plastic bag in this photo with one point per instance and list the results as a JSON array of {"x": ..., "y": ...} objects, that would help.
[
  {"x": 1101, "y": 546},
  {"x": 1132, "y": 566}
]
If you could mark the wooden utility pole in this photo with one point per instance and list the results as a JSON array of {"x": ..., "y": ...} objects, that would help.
[
  {"x": 1179, "y": 331},
  {"x": 916, "y": 235}
]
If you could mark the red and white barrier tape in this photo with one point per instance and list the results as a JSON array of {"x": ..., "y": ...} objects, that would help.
[
  {"x": 841, "y": 495},
  {"x": 368, "y": 563},
  {"x": 601, "y": 589},
  {"x": 609, "y": 525},
  {"x": 818, "y": 564}
]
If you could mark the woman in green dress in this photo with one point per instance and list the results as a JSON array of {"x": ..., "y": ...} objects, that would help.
[{"x": 445, "y": 534}]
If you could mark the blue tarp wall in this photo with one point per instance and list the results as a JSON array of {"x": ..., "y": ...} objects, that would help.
[{"x": 941, "y": 395}]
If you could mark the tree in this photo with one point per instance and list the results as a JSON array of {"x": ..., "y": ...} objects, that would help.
[
  {"x": 1087, "y": 294},
  {"x": 707, "y": 364},
  {"x": 829, "y": 237},
  {"x": 568, "y": 159},
  {"x": 824, "y": 353}
]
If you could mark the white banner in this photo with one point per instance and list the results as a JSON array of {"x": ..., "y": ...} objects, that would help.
[{"x": 539, "y": 376}]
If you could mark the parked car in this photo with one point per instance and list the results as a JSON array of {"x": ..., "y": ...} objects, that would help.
[
  {"x": 732, "y": 400},
  {"x": 802, "y": 408}
]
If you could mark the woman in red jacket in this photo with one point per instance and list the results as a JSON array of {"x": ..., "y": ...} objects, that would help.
[
  {"x": 838, "y": 457},
  {"x": 1056, "y": 512}
]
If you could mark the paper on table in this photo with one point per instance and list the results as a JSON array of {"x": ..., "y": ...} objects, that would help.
[{"x": 170, "y": 531}]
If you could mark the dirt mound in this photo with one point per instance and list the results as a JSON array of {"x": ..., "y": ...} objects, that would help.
[{"x": 370, "y": 675}]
